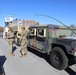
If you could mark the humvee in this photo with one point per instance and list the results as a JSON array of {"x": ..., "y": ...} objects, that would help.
[{"x": 58, "y": 42}]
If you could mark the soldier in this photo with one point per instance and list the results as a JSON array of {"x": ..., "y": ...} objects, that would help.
[
  {"x": 23, "y": 42},
  {"x": 10, "y": 37}
]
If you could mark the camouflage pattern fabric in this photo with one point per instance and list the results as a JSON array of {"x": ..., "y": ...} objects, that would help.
[
  {"x": 23, "y": 41},
  {"x": 10, "y": 37}
]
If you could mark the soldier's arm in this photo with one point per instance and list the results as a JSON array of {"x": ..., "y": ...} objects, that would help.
[
  {"x": 10, "y": 35},
  {"x": 26, "y": 34}
]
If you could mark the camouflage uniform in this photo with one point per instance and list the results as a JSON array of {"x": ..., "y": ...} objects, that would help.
[
  {"x": 10, "y": 37},
  {"x": 23, "y": 41}
]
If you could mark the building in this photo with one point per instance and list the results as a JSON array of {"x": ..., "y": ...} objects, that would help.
[
  {"x": 17, "y": 23},
  {"x": 30, "y": 22},
  {"x": 26, "y": 23}
]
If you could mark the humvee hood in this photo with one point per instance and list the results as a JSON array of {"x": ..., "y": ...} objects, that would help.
[{"x": 70, "y": 37}]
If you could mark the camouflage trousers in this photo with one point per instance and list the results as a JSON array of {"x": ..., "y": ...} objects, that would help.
[
  {"x": 23, "y": 47},
  {"x": 11, "y": 43}
]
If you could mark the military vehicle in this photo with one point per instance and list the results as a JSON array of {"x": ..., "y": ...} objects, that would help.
[{"x": 58, "y": 42}]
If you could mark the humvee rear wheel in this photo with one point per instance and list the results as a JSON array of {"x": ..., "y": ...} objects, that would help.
[{"x": 58, "y": 59}]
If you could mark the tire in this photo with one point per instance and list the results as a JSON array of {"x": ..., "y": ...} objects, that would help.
[{"x": 58, "y": 59}]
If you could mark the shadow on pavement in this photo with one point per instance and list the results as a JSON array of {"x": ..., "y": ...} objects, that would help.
[
  {"x": 70, "y": 71},
  {"x": 2, "y": 61},
  {"x": 46, "y": 57},
  {"x": 42, "y": 55}
]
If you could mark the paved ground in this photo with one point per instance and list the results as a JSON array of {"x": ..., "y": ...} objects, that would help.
[{"x": 34, "y": 64}]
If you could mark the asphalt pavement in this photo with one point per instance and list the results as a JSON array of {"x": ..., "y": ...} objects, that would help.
[{"x": 34, "y": 63}]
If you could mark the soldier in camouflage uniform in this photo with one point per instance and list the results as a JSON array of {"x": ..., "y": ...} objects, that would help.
[
  {"x": 10, "y": 37},
  {"x": 23, "y": 42}
]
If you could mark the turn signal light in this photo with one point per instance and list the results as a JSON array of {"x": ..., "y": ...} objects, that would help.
[{"x": 73, "y": 49}]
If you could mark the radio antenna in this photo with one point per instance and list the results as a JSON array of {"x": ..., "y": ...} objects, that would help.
[{"x": 55, "y": 20}]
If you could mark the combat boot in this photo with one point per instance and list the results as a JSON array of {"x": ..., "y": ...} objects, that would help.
[
  {"x": 12, "y": 54},
  {"x": 23, "y": 55}
]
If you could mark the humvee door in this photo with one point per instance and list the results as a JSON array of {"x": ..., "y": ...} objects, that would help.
[
  {"x": 41, "y": 38},
  {"x": 37, "y": 38},
  {"x": 32, "y": 36}
]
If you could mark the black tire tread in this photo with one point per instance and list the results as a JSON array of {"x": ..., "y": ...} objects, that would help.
[{"x": 64, "y": 64}]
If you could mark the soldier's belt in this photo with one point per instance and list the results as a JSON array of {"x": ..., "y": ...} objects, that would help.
[{"x": 11, "y": 38}]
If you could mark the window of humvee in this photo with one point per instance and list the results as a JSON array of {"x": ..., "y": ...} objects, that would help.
[
  {"x": 32, "y": 32},
  {"x": 41, "y": 32}
]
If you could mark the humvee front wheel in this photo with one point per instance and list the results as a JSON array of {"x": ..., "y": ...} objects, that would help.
[{"x": 58, "y": 59}]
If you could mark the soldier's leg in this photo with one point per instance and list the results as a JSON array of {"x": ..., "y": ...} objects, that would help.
[
  {"x": 11, "y": 46},
  {"x": 23, "y": 51}
]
